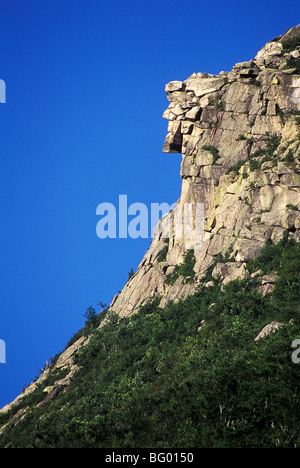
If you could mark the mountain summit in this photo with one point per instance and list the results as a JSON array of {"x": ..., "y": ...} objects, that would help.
[{"x": 146, "y": 375}]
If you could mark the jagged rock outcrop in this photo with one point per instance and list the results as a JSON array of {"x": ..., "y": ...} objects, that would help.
[
  {"x": 268, "y": 330},
  {"x": 65, "y": 362},
  {"x": 238, "y": 133}
]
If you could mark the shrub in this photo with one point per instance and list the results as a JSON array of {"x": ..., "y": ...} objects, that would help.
[
  {"x": 292, "y": 207},
  {"x": 163, "y": 253},
  {"x": 214, "y": 151},
  {"x": 289, "y": 158},
  {"x": 92, "y": 319},
  {"x": 130, "y": 273},
  {"x": 186, "y": 269},
  {"x": 260, "y": 156},
  {"x": 155, "y": 380},
  {"x": 290, "y": 44}
]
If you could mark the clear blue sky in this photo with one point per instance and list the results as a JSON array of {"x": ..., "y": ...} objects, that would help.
[{"x": 81, "y": 125}]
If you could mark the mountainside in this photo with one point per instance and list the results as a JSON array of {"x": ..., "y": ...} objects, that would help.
[
  {"x": 152, "y": 370},
  {"x": 238, "y": 133}
]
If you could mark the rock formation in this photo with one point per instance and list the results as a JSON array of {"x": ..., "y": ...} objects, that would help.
[{"x": 238, "y": 133}]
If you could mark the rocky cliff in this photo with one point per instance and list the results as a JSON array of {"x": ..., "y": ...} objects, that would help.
[{"x": 238, "y": 133}]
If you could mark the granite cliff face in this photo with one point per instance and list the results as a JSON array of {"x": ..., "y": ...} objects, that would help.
[{"x": 238, "y": 133}]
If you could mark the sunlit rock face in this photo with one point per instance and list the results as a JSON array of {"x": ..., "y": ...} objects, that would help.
[{"x": 238, "y": 133}]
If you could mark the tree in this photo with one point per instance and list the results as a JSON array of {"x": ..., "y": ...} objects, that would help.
[{"x": 91, "y": 317}]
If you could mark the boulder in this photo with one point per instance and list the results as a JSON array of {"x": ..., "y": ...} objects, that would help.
[
  {"x": 230, "y": 271},
  {"x": 203, "y": 86},
  {"x": 174, "y": 86},
  {"x": 268, "y": 330}
]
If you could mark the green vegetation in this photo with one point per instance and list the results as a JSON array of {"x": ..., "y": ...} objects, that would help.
[
  {"x": 214, "y": 151},
  {"x": 292, "y": 207},
  {"x": 130, "y": 273},
  {"x": 294, "y": 63},
  {"x": 260, "y": 156},
  {"x": 290, "y": 44},
  {"x": 91, "y": 317},
  {"x": 186, "y": 269},
  {"x": 220, "y": 104},
  {"x": 159, "y": 380},
  {"x": 236, "y": 167},
  {"x": 289, "y": 158},
  {"x": 254, "y": 81},
  {"x": 163, "y": 253}
]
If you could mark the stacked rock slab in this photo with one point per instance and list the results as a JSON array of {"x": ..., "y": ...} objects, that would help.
[{"x": 238, "y": 133}]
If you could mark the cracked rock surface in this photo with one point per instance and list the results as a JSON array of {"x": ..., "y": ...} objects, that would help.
[{"x": 238, "y": 133}]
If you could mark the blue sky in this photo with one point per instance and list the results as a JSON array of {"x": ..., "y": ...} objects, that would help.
[{"x": 83, "y": 124}]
